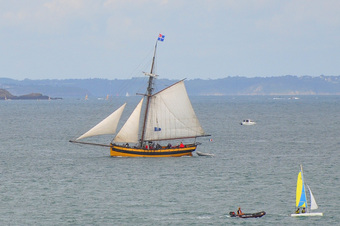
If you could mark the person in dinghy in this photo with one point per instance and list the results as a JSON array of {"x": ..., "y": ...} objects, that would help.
[
  {"x": 240, "y": 214},
  {"x": 239, "y": 211}
]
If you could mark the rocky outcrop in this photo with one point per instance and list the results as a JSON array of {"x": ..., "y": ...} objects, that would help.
[{"x": 5, "y": 95}]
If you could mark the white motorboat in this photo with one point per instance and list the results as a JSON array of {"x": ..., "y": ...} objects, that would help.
[{"x": 247, "y": 122}]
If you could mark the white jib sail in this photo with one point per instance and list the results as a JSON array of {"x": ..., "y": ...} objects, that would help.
[
  {"x": 107, "y": 126},
  {"x": 129, "y": 132},
  {"x": 171, "y": 115},
  {"x": 313, "y": 205}
]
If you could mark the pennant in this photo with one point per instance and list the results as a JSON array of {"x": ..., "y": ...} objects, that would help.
[{"x": 161, "y": 37}]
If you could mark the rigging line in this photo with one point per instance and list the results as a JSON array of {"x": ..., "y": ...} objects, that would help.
[
  {"x": 128, "y": 85},
  {"x": 88, "y": 143}
]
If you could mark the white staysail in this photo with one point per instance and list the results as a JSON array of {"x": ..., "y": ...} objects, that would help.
[
  {"x": 171, "y": 115},
  {"x": 313, "y": 205},
  {"x": 129, "y": 132},
  {"x": 107, "y": 126}
]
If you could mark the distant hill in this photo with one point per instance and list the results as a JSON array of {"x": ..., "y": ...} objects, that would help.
[
  {"x": 79, "y": 88},
  {"x": 5, "y": 95}
]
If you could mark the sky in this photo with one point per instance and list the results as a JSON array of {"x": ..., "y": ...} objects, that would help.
[{"x": 206, "y": 39}]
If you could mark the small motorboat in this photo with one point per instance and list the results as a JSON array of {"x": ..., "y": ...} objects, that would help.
[
  {"x": 248, "y": 215},
  {"x": 247, "y": 122}
]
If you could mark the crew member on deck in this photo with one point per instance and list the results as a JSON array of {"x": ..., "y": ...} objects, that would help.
[
  {"x": 239, "y": 211},
  {"x": 181, "y": 145},
  {"x": 303, "y": 210},
  {"x": 297, "y": 211}
]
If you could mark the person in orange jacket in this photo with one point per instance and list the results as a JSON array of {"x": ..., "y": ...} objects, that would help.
[{"x": 239, "y": 211}]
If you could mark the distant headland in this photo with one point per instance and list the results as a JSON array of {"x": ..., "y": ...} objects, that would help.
[
  {"x": 102, "y": 88},
  {"x": 5, "y": 95}
]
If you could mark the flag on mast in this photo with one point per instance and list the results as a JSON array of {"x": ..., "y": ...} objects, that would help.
[{"x": 161, "y": 37}]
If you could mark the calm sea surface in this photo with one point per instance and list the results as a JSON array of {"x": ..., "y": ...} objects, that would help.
[{"x": 45, "y": 180}]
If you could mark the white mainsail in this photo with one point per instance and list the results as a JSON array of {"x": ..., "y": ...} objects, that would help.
[
  {"x": 171, "y": 115},
  {"x": 107, "y": 126},
  {"x": 313, "y": 205},
  {"x": 129, "y": 132}
]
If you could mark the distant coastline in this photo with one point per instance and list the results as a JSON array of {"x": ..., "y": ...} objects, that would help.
[
  {"x": 5, "y": 95},
  {"x": 287, "y": 85}
]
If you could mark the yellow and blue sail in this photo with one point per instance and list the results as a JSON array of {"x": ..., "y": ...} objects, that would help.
[{"x": 301, "y": 199}]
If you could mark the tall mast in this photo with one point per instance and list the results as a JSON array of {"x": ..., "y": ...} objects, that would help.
[{"x": 149, "y": 92}]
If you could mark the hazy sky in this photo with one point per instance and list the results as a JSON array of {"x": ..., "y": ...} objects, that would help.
[{"x": 61, "y": 39}]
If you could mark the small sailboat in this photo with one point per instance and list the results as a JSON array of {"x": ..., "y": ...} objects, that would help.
[
  {"x": 168, "y": 115},
  {"x": 303, "y": 209}
]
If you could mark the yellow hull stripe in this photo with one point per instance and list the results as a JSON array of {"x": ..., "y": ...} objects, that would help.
[{"x": 138, "y": 152}]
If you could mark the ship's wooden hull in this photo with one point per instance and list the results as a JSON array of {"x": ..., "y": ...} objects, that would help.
[{"x": 120, "y": 151}]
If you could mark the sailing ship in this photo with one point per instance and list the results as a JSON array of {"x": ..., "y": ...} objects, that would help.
[
  {"x": 168, "y": 115},
  {"x": 303, "y": 209}
]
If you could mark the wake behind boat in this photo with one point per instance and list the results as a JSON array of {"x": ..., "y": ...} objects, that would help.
[
  {"x": 204, "y": 154},
  {"x": 168, "y": 116},
  {"x": 303, "y": 209}
]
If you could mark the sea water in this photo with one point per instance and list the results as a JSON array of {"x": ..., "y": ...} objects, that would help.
[{"x": 45, "y": 180}]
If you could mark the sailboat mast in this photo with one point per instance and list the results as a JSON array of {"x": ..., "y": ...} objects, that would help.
[{"x": 149, "y": 93}]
